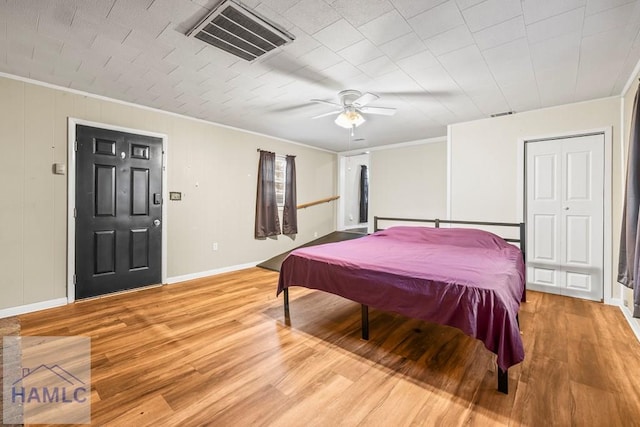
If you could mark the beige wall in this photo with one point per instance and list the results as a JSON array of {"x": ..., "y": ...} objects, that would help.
[
  {"x": 409, "y": 181},
  {"x": 214, "y": 167},
  {"x": 484, "y": 159},
  {"x": 629, "y": 96}
]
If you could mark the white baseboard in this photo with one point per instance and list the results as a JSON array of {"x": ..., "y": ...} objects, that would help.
[
  {"x": 192, "y": 276},
  {"x": 613, "y": 301},
  {"x": 30, "y": 308},
  {"x": 633, "y": 322}
]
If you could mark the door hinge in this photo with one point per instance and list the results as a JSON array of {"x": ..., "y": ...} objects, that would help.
[
  {"x": 75, "y": 213},
  {"x": 74, "y": 279},
  {"x": 75, "y": 145}
]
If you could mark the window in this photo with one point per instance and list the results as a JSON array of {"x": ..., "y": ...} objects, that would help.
[{"x": 280, "y": 179}]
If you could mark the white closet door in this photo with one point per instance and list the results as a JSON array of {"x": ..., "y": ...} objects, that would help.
[{"x": 565, "y": 204}]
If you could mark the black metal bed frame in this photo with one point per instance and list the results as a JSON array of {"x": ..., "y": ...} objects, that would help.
[{"x": 503, "y": 376}]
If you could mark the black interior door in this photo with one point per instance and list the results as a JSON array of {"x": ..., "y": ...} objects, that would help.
[{"x": 119, "y": 209}]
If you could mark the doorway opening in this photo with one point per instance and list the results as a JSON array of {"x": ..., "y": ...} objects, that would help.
[{"x": 353, "y": 205}]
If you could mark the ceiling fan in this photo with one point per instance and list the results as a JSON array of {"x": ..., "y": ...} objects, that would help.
[{"x": 352, "y": 106}]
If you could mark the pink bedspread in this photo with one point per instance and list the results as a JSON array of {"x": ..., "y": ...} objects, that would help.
[{"x": 469, "y": 279}]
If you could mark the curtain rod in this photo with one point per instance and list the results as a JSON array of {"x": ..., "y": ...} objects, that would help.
[{"x": 260, "y": 149}]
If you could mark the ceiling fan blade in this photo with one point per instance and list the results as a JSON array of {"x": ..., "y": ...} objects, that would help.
[
  {"x": 322, "y": 101},
  {"x": 327, "y": 114},
  {"x": 289, "y": 108},
  {"x": 364, "y": 99},
  {"x": 418, "y": 94},
  {"x": 385, "y": 111},
  {"x": 288, "y": 65}
]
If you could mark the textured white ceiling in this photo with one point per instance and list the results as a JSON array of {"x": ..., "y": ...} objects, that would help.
[{"x": 437, "y": 61}]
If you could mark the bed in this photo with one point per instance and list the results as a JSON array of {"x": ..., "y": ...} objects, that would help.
[{"x": 466, "y": 278}]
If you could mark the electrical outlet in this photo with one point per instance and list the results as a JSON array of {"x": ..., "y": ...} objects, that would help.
[
  {"x": 215, "y": 246},
  {"x": 626, "y": 303},
  {"x": 315, "y": 234}
]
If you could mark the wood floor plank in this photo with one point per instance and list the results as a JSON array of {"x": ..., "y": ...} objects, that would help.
[
  {"x": 592, "y": 406},
  {"x": 491, "y": 408},
  {"x": 217, "y": 351},
  {"x": 588, "y": 364},
  {"x": 309, "y": 411},
  {"x": 357, "y": 400},
  {"x": 145, "y": 413},
  {"x": 402, "y": 404},
  {"x": 547, "y": 398},
  {"x": 260, "y": 407}
]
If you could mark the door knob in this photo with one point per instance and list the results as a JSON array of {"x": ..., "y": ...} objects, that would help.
[
  {"x": 567, "y": 208},
  {"x": 156, "y": 222}
]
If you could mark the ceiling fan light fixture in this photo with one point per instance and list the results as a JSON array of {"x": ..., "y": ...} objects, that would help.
[{"x": 349, "y": 119}]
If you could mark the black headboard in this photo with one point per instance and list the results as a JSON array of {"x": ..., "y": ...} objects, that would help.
[{"x": 437, "y": 222}]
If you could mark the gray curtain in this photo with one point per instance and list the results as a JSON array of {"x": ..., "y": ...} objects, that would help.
[
  {"x": 364, "y": 194},
  {"x": 290, "y": 212},
  {"x": 267, "y": 221},
  {"x": 629, "y": 261}
]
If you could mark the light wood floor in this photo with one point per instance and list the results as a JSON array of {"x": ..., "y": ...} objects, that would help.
[{"x": 216, "y": 351}]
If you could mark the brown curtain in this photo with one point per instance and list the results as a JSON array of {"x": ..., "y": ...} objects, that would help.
[
  {"x": 267, "y": 221},
  {"x": 290, "y": 212},
  {"x": 364, "y": 194}
]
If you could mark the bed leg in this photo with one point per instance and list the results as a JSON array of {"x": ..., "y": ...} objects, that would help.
[
  {"x": 365, "y": 322},
  {"x": 287, "y": 319},
  {"x": 503, "y": 381}
]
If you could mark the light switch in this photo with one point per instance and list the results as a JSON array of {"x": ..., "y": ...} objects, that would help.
[{"x": 59, "y": 168}]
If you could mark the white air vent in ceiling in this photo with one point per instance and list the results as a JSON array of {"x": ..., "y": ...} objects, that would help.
[{"x": 239, "y": 31}]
